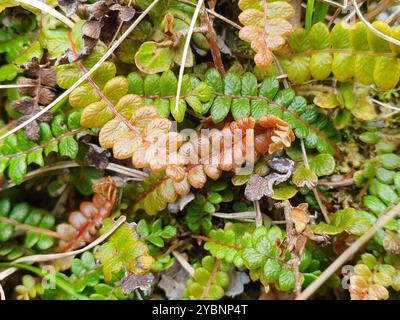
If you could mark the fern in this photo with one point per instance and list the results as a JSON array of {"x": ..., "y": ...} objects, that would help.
[
  {"x": 265, "y": 39},
  {"x": 237, "y": 95},
  {"x": 372, "y": 279},
  {"x": 380, "y": 183},
  {"x": 123, "y": 251},
  {"x": 18, "y": 152},
  {"x": 24, "y": 214},
  {"x": 209, "y": 280},
  {"x": 84, "y": 224},
  {"x": 227, "y": 244},
  {"x": 346, "y": 53},
  {"x": 272, "y": 134}
]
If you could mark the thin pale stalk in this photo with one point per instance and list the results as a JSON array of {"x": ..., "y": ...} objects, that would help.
[
  {"x": 385, "y": 105},
  {"x": 183, "y": 262},
  {"x": 185, "y": 52},
  {"x": 49, "y": 10},
  {"x": 56, "y": 256},
  {"x": 371, "y": 27}
]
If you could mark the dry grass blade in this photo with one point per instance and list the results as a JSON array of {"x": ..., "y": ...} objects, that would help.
[
  {"x": 370, "y": 27},
  {"x": 2, "y": 294},
  {"x": 55, "y": 256},
  {"x": 51, "y": 11},
  {"x": 133, "y": 174},
  {"x": 86, "y": 75},
  {"x": 185, "y": 51}
]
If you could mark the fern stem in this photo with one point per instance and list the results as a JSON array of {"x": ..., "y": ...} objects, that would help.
[
  {"x": 42, "y": 146},
  {"x": 272, "y": 102},
  {"x": 210, "y": 281},
  {"x": 29, "y": 228},
  {"x": 388, "y": 215},
  {"x": 86, "y": 75},
  {"x": 97, "y": 88}
]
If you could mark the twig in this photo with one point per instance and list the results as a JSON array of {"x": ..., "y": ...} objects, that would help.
[
  {"x": 393, "y": 16},
  {"x": 385, "y": 105},
  {"x": 133, "y": 173},
  {"x": 258, "y": 213},
  {"x": 292, "y": 238},
  {"x": 235, "y": 215},
  {"x": 16, "y": 86},
  {"x": 56, "y": 256},
  {"x": 296, "y": 20},
  {"x": 84, "y": 77},
  {"x": 212, "y": 39},
  {"x": 29, "y": 228},
  {"x": 183, "y": 262},
  {"x": 335, "y": 184},
  {"x": 389, "y": 214},
  {"x": 334, "y": 16},
  {"x": 382, "y": 6},
  {"x": 119, "y": 28}
]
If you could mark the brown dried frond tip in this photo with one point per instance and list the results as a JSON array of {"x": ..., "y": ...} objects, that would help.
[
  {"x": 278, "y": 136},
  {"x": 38, "y": 81},
  {"x": 85, "y": 223}
]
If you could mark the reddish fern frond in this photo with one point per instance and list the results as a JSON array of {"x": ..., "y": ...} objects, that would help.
[{"x": 84, "y": 224}]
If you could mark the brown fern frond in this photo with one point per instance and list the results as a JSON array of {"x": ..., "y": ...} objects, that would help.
[
  {"x": 189, "y": 161},
  {"x": 84, "y": 223}
]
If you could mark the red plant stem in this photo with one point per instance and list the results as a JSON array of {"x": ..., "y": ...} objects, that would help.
[
  {"x": 42, "y": 146},
  {"x": 212, "y": 39}
]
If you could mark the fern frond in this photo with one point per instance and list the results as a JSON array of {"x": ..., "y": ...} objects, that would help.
[
  {"x": 17, "y": 152},
  {"x": 22, "y": 213},
  {"x": 345, "y": 52},
  {"x": 84, "y": 224}
]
